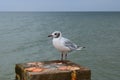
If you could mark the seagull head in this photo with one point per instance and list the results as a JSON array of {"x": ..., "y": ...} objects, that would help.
[{"x": 55, "y": 34}]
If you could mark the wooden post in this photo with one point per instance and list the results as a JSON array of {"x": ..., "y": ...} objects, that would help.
[{"x": 52, "y": 70}]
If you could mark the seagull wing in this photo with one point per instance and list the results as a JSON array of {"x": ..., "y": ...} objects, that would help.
[{"x": 70, "y": 45}]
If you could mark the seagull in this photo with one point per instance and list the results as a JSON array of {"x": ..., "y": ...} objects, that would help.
[{"x": 62, "y": 44}]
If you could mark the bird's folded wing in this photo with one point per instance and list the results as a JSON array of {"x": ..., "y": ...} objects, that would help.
[{"x": 70, "y": 45}]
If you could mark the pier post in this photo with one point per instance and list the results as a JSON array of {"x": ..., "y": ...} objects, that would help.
[{"x": 52, "y": 70}]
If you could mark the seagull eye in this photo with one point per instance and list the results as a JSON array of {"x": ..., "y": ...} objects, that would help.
[{"x": 55, "y": 33}]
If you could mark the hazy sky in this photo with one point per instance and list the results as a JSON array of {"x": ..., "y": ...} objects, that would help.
[{"x": 59, "y": 5}]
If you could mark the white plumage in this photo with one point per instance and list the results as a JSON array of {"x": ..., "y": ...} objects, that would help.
[{"x": 62, "y": 44}]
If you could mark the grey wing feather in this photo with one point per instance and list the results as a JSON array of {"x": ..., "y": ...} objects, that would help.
[{"x": 70, "y": 45}]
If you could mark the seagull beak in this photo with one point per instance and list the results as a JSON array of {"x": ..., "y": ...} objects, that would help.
[{"x": 50, "y": 35}]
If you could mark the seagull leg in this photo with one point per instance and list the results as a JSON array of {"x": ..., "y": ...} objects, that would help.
[
  {"x": 62, "y": 56},
  {"x": 65, "y": 56}
]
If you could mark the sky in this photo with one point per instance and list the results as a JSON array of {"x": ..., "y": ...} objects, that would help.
[{"x": 59, "y": 5}]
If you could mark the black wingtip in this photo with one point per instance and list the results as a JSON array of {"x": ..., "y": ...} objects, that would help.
[{"x": 84, "y": 47}]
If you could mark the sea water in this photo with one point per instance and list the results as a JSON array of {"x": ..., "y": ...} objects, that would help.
[{"x": 23, "y": 38}]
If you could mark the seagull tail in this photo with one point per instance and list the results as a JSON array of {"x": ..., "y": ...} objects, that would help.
[{"x": 80, "y": 48}]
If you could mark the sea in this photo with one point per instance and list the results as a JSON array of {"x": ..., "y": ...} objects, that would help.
[{"x": 24, "y": 38}]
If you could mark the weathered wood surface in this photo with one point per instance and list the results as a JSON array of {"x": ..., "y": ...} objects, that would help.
[{"x": 52, "y": 70}]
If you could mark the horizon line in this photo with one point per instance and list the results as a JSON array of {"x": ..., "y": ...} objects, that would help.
[{"x": 59, "y": 11}]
